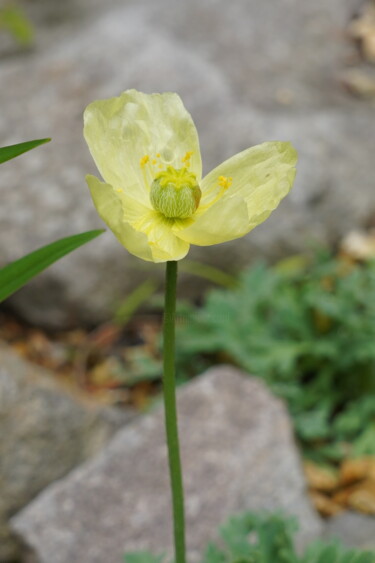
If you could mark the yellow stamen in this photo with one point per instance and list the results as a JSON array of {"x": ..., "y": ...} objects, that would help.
[
  {"x": 186, "y": 159},
  {"x": 144, "y": 160},
  {"x": 225, "y": 182}
]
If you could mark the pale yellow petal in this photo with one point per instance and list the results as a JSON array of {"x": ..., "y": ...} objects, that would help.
[
  {"x": 110, "y": 204},
  {"x": 144, "y": 233},
  {"x": 222, "y": 222},
  {"x": 260, "y": 177},
  {"x": 120, "y": 131},
  {"x": 160, "y": 232},
  {"x": 264, "y": 168}
]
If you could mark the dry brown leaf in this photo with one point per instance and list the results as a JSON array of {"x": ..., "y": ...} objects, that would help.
[
  {"x": 362, "y": 30},
  {"x": 105, "y": 335},
  {"x": 362, "y": 497},
  {"x": 324, "y": 504},
  {"x": 321, "y": 478},
  {"x": 353, "y": 470},
  {"x": 141, "y": 394},
  {"x": 341, "y": 496},
  {"x": 105, "y": 373},
  {"x": 358, "y": 82},
  {"x": 75, "y": 337},
  {"x": 359, "y": 245}
]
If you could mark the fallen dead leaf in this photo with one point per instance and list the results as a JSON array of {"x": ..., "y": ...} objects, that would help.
[
  {"x": 362, "y": 497},
  {"x": 358, "y": 82},
  {"x": 362, "y": 30},
  {"x": 324, "y": 504},
  {"x": 353, "y": 470},
  {"x": 359, "y": 245},
  {"x": 321, "y": 478}
]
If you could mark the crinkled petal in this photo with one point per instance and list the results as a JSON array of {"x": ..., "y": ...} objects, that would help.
[
  {"x": 110, "y": 205},
  {"x": 263, "y": 167},
  {"x": 261, "y": 177},
  {"x": 144, "y": 233},
  {"x": 164, "y": 243},
  {"x": 222, "y": 222},
  {"x": 120, "y": 131}
]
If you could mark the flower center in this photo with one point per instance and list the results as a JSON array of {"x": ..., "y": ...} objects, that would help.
[{"x": 175, "y": 193}]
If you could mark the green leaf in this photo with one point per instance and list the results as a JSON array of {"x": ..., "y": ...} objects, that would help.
[
  {"x": 13, "y": 20},
  {"x": 319, "y": 552},
  {"x": 214, "y": 555},
  {"x": 265, "y": 538},
  {"x": 18, "y": 273},
  {"x": 7, "y": 153}
]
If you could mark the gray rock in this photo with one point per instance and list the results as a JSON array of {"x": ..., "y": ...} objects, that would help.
[
  {"x": 247, "y": 72},
  {"x": 45, "y": 431},
  {"x": 352, "y": 529},
  {"x": 238, "y": 453}
]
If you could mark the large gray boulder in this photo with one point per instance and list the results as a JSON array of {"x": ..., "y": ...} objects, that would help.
[
  {"x": 238, "y": 453},
  {"x": 247, "y": 71},
  {"x": 45, "y": 431}
]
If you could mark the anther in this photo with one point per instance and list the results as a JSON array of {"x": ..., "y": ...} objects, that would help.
[{"x": 144, "y": 160}]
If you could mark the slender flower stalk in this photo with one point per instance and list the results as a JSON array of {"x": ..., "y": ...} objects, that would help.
[{"x": 170, "y": 410}]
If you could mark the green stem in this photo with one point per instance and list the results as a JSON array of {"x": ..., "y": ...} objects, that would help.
[{"x": 169, "y": 386}]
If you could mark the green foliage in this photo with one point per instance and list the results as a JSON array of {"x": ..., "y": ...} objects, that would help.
[
  {"x": 309, "y": 332},
  {"x": 7, "y": 153},
  {"x": 265, "y": 538},
  {"x": 18, "y": 273},
  {"x": 319, "y": 552},
  {"x": 15, "y": 22},
  {"x": 253, "y": 538}
]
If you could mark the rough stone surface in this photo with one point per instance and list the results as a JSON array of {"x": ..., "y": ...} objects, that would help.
[
  {"x": 352, "y": 529},
  {"x": 247, "y": 71},
  {"x": 45, "y": 431},
  {"x": 238, "y": 453}
]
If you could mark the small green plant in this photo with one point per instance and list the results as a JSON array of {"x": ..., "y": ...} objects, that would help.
[
  {"x": 14, "y": 21},
  {"x": 310, "y": 335},
  {"x": 264, "y": 538},
  {"x": 15, "y": 275},
  {"x": 309, "y": 332}
]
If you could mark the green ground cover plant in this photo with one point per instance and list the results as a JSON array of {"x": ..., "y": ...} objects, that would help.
[
  {"x": 15, "y": 275},
  {"x": 264, "y": 538},
  {"x": 15, "y": 22},
  {"x": 308, "y": 330}
]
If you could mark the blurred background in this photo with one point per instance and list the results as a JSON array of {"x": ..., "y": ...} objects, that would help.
[
  {"x": 247, "y": 72},
  {"x": 304, "y": 319}
]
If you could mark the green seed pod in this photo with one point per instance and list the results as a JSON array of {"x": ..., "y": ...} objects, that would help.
[{"x": 175, "y": 193}]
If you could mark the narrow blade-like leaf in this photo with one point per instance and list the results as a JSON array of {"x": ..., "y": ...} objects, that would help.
[
  {"x": 18, "y": 273},
  {"x": 7, "y": 153}
]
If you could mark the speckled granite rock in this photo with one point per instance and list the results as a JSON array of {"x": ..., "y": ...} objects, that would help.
[
  {"x": 45, "y": 431},
  {"x": 238, "y": 453},
  {"x": 247, "y": 71}
]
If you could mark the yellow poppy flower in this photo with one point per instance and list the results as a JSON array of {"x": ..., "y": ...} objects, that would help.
[{"x": 154, "y": 198}]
